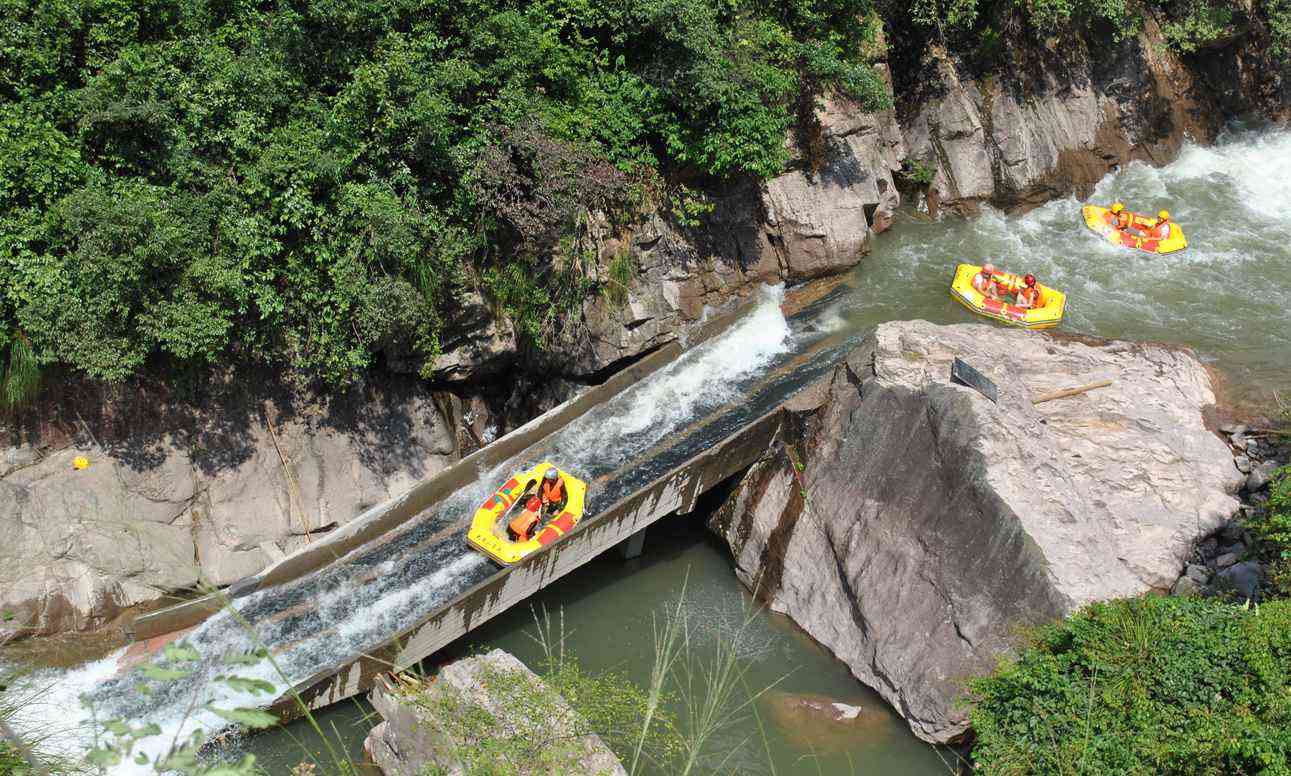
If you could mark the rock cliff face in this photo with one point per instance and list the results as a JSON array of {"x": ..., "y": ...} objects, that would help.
[
  {"x": 814, "y": 220},
  {"x": 912, "y": 526},
  {"x": 1053, "y": 121},
  {"x": 177, "y": 494}
]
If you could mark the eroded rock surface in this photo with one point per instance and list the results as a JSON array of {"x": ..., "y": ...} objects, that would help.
[
  {"x": 1057, "y": 120},
  {"x": 209, "y": 494},
  {"x": 424, "y": 725},
  {"x": 927, "y": 525},
  {"x": 814, "y": 220}
]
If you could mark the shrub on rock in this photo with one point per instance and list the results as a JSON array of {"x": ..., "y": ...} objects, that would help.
[{"x": 1149, "y": 685}]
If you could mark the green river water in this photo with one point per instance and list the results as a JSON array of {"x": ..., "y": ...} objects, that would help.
[{"x": 1228, "y": 296}]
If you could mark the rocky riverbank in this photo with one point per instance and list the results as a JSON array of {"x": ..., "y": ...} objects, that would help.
[
  {"x": 915, "y": 527},
  {"x": 1225, "y": 564}
]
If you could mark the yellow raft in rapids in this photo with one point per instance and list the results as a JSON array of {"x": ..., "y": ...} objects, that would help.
[
  {"x": 488, "y": 532},
  {"x": 1100, "y": 220},
  {"x": 1046, "y": 316}
]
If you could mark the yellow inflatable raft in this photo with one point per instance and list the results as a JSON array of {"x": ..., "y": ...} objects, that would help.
[
  {"x": 488, "y": 532},
  {"x": 1044, "y": 317},
  {"x": 1100, "y": 220}
]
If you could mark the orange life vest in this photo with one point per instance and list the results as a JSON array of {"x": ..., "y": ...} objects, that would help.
[
  {"x": 553, "y": 493},
  {"x": 983, "y": 283},
  {"x": 1123, "y": 220},
  {"x": 1029, "y": 296},
  {"x": 522, "y": 525}
]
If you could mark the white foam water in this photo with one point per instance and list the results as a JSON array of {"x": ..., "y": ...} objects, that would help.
[
  {"x": 1228, "y": 294},
  {"x": 705, "y": 377}
]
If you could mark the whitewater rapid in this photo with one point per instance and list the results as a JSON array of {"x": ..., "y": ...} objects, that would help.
[{"x": 1228, "y": 294}]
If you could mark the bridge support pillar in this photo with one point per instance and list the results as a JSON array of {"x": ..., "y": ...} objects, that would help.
[{"x": 631, "y": 547}]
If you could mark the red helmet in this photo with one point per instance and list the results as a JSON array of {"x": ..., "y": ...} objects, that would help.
[
  {"x": 533, "y": 504},
  {"x": 1029, "y": 279}
]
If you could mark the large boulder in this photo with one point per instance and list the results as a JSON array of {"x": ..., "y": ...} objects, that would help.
[
  {"x": 914, "y": 527},
  {"x": 820, "y": 220},
  {"x": 429, "y": 727}
]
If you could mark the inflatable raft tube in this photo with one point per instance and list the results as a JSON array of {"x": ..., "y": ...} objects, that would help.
[
  {"x": 1099, "y": 219},
  {"x": 488, "y": 532},
  {"x": 1044, "y": 317}
]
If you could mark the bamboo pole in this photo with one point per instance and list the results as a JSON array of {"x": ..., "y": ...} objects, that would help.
[
  {"x": 1065, "y": 392},
  {"x": 292, "y": 490}
]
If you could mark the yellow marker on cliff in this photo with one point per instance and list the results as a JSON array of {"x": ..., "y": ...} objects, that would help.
[{"x": 80, "y": 462}]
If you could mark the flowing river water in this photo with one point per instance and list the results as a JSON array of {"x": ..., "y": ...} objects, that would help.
[{"x": 1228, "y": 295}]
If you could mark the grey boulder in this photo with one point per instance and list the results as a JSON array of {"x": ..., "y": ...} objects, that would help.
[{"x": 927, "y": 524}]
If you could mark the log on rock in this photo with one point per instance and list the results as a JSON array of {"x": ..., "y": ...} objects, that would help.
[{"x": 1065, "y": 392}]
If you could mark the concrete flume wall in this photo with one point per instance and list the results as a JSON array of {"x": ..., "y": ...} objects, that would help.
[{"x": 674, "y": 492}]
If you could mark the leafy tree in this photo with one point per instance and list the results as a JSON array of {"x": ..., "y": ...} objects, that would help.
[{"x": 310, "y": 183}]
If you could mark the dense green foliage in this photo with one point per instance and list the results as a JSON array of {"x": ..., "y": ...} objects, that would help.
[
  {"x": 311, "y": 182},
  {"x": 1272, "y": 530},
  {"x": 1186, "y": 24},
  {"x": 1144, "y": 686}
]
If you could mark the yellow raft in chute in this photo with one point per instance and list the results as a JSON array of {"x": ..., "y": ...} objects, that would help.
[
  {"x": 1100, "y": 220},
  {"x": 1046, "y": 316},
  {"x": 488, "y": 532}
]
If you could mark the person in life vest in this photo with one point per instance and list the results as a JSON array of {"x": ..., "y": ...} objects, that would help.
[
  {"x": 1124, "y": 220},
  {"x": 1029, "y": 296},
  {"x": 984, "y": 281},
  {"x": 1162, "y": 228},
  {"x": 552, "y": 492},
  {"x": 525, "y": 525}
]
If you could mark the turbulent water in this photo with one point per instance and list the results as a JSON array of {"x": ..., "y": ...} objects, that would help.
[{"x": 1227, "y": 295}]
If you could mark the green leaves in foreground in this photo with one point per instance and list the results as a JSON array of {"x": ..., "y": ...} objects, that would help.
[
  {"x": 1152, "y": 685},
  {"x": 121, "y": 741}
]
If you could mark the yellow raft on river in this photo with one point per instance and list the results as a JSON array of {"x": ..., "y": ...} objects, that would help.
[
  {"x": 488, "y": 532},
  {"x": 1100, "y": 220},
  {"x": 1046, "y": 316}
]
